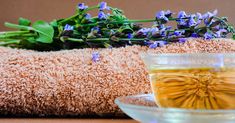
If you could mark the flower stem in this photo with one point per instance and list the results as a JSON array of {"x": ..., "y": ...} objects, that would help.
[
  {"x": 132, "y": 39},
  {"x": 10, "y": 42},
  {"x": 77, "y": 14},
  {"x": 67, "y": 19},
  {"x": 17, "y": 36},
  {"x": 128, "y": 21},
  {"x": 16, "y": 26},
  {"x": 13, "y": 32},
  {"x": 75, "y": 40},
  {"x": 139, "y": 21},
  {"x": 98, "y": 39},
  {"x": 90, "y": 8}
]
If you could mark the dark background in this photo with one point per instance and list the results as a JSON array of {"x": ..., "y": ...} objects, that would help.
[{"x": 48, "y": 10}]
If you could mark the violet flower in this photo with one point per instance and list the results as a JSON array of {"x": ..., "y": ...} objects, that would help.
[
  {"x": 207, "y": 16},
  {"x": 168, "y": 13},
  {"x": 68, "y": 27},
  {"x": 182, "y": 14},
  {"x": 147, "y": 43},
  {"x": 95, "y": 56},
  {"x": 157, "y": 44},
  {"x": 129, "y": 36},
  {"x": 181, "y": 21},
  {"x": 179, "y": 32},
  {"x": 164, "y": 30},
  {"x": 194, "y": 35},
  {"x": 182, "y": 40},
  {"x": 208, "y": 35},
  {"x": 101, "y": 15},
  {"x": 103, "y": 6},
  {"x": 218, "y": 33},
  {"x": 88, "y": 16},
  {"x": 199, "y": 18},
  {"x": 154, "y": 30},
  {"x": 163, "y": 33},
  {"x": 161, "y": 15},
  {"x": 217, "y": 27},
  {"x": 82, "y": 6},
  {"x": 192, "y": 22},
  {"x": 153, "y": 46},
  {"x": 144, "y": 31}
]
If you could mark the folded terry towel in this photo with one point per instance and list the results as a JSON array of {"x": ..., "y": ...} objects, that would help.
[{"x": 69, "y": 83}]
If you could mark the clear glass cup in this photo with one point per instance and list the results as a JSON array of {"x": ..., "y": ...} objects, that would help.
[{"x": 192, "y": 81}]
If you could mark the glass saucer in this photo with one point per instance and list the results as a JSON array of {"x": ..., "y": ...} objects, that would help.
[{"x": 143, "y": 109}]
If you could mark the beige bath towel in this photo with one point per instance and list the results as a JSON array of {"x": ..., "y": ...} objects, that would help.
[{"x": 69, "y": 83}]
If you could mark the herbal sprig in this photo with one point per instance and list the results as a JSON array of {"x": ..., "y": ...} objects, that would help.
[{"x": 111, "y": 28}]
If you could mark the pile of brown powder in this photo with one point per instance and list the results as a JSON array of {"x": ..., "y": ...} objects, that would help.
[{"x": 65, "y": 83}]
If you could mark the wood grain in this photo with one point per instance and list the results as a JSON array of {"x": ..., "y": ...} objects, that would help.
[{"x": 67, "y": 121}]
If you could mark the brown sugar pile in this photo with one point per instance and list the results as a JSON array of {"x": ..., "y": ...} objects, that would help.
[{"x": 69, "y": 83}]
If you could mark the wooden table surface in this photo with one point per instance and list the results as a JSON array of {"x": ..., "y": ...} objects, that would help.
[{"x": 41, "y": 120}]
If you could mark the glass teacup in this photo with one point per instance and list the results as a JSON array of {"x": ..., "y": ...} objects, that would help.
[{"x": 192, "y": 81}]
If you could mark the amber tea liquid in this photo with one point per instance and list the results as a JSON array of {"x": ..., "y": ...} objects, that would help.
[{"x": 194, "y": 88}]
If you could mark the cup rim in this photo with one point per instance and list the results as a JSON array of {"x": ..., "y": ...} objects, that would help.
[
  {"x": 148, "y": 59},
  {"x": 186, "y": 54}
]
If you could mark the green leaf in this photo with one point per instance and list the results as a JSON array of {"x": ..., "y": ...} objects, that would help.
[
  {"x": 24, "y": 22},
  {"x": 44, "y": 30},
  {"x": 54, "y": 23},
  {"x": 117, "y": 15},
  {"x": 125, "y": 29},
  {"x": 233, "y": 36},
  {"x": 21, "y": 27}
]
